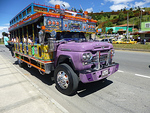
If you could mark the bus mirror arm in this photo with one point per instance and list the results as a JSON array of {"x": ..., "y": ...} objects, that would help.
[{"x": 41, "y": 37}]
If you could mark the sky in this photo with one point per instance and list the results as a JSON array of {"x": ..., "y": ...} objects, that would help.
[{"x": 10, "y": 8}]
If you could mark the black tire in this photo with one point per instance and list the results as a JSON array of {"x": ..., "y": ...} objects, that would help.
[
  {"x": 72, "y": 83},
  {"x": 21, "y": 63}
]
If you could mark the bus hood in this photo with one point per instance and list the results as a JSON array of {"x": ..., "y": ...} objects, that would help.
[{"x": 85, "y": 46}]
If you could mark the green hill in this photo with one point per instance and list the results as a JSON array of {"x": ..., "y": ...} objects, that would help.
[{"x": 111, "y": 19}]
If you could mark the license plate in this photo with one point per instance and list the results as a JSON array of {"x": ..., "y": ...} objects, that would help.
[{"x": 104, "y": 73}]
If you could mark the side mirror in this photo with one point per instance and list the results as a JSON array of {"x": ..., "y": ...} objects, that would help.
[
  {"x": 41, "y": 37},
  {"x": 53, "y": 34},
  {"x": 51, "y": 44}
]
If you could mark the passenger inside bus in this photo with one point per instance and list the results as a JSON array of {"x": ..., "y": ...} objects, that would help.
[
  {"x": 13, "y": 40},
  {"x": 24, "y": 40},
  {"x": 36, "y": 39},
  {"x": 30, "y": 40}
]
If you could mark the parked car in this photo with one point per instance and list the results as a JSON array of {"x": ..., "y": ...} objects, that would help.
[
  {"x": 128, "y": 41},
  {"x": 117, "y": 42},
  {"x": 107, "y": 40}
]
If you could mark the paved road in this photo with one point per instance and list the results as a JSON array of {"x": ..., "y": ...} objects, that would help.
[{"x": 128, "y": 90}]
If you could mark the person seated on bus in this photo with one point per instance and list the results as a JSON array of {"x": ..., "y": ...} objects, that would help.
[
  {"x": 30, "y": 40},
  {"x": 13, "y": 40},
  {"x": 17, "y": 39},
  {"x": 36, "y": 39},
  {"x": 24, "y": 40}
]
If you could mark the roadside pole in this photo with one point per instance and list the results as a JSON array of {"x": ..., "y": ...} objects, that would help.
[{"x": 127, "y": 23}]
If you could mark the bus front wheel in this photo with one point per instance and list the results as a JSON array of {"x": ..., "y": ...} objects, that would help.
[{"x": 66, "y": 79}]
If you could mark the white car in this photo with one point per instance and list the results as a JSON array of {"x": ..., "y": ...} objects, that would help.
[{"x": 107, "y": 40}]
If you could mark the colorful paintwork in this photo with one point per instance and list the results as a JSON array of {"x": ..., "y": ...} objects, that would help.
[{"x": 52, "y": 21}]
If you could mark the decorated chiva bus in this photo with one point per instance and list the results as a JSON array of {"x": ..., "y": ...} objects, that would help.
[{"x": 52, "y": 39}]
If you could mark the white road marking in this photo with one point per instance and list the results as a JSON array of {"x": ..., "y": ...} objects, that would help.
[
  {"x": 120, "y": 71},
  {"x": 142, "y": 76}
]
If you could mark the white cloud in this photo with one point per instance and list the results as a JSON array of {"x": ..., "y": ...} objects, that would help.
[
  {"x": 140, "y": 4},
  {"x": 3, "y": 29},
  {"x": 102, "y": 3},
  {"x": 89, "y": 10},
  {"x": 118, "y": 7},
  {"x": 148, "y": 1},
  {"x": 120, "y": 1},
  {"x": 7, "y": 24},
  {"x": 59, "y": 2},
  {"x": 120, "y": 4}
]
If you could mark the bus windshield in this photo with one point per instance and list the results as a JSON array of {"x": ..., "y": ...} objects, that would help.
[{"x": 75, "y": 36}]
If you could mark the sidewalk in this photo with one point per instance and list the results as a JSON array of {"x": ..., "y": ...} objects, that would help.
[{"x": 18, "y": 94}]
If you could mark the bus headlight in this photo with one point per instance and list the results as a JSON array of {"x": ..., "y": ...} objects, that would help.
[{"x": 86, "y": 56}]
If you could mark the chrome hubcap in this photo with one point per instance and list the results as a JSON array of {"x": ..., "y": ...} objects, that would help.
[{"x": 62, "y": 79}]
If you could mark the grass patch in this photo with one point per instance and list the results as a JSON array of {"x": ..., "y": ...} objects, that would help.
[
  {"x": 1, "y": 42},
  {"x": 133, "y": 46}
]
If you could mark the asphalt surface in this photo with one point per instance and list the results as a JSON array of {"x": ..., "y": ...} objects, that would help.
[{"x": 126, "y": 91}]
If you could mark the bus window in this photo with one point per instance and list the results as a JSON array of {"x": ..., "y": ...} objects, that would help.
[{"x": 58, "y": 36}]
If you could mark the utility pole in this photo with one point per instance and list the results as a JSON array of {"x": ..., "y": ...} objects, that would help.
[
  {"x": 140, "y": 19},
  {"x": 133, "y": 26},
  {"x": 127, "y": 24}
]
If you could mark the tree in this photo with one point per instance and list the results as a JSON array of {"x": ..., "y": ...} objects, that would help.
[
  {"x": 99, "y": 22},
  {"x": 104, "y": 14},
  {"x": 114, "y": 17},
  {"x": 108, "y": 15},
  {"x": 131, "y": 9},
  {"x": 110, "y": 31},
  {"x": 3, "y": 34},
  {"x": 96, "y": 16},
  {"x": 139, "y": 8},
  {"x": 131, "y": 14},
  {"x": 121, "y": 16},
  {"x": 73, "y": 9},
  {"x": 81, "y": 11},
  {"x": 108, "y": 24},
  {"x": 124, "y": 9}
]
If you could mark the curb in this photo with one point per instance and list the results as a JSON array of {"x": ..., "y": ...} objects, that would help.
[
  {"x": 60, "y": 107},
  {"x": 140, "y": 50},
  {"x": 48, "y": 98}
]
